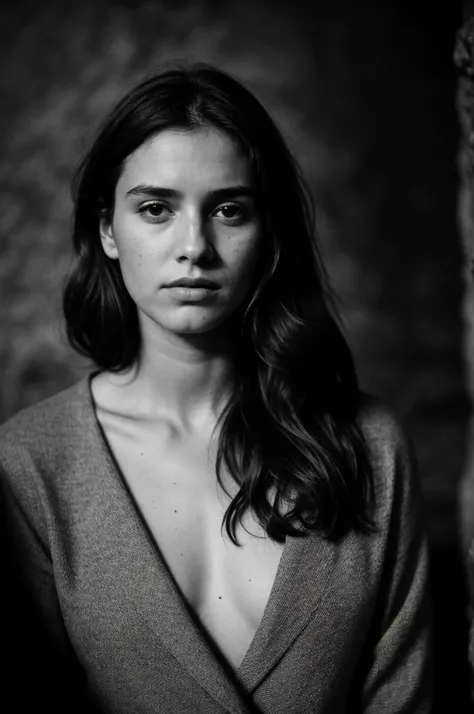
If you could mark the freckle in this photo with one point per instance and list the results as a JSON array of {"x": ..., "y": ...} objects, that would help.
[
  {"x": 250, "y": 580},
  {"x": 220, "y": 597},
  {"x": 176, "y": 511}
]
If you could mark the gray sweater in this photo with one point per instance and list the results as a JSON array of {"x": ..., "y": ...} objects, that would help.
[{"x": 96, "y": 623}]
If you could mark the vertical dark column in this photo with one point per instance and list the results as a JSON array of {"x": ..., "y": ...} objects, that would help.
[{"x": 464, "y": 58}]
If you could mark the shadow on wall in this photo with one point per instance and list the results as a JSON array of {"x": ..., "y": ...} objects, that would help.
[{"x": 365, "y": 94}]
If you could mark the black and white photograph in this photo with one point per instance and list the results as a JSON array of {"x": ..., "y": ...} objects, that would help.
[{"x": 237, "y": 356}]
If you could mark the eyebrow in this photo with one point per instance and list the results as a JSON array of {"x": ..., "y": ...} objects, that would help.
[{"x": 220, "y": 194}]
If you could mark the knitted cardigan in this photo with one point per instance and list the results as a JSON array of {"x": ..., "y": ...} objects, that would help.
[{"x": 95, "y": 622}]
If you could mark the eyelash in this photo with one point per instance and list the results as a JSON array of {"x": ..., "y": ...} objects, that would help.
[
  {"x": 244, "y": 211},
  {"x": 142, "y": 210}
]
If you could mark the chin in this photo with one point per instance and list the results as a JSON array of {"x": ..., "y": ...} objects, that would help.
[
  {"x": 191, "y": 321},
  {"x": 195, "y": 326},
  {"x": 206, "y": 329}
]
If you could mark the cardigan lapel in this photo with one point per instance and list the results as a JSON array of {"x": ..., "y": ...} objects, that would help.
[
  {"x": 303, "y": 579},
  {"x": 142, "y": 576},
  {"x": 160, "y": 605}
]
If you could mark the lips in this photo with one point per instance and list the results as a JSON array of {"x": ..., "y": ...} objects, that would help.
[{"x": 193, "y": 283}]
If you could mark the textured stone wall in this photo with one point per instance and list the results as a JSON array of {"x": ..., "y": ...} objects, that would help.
[
  {"x": 365, "y": 92},
  {"x": 464, "y": 58}
]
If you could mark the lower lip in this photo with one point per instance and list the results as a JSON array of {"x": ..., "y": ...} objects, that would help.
[{"x": 192, "y": 294}]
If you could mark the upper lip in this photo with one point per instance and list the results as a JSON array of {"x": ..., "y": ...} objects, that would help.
[{"x": 192, "y": 283}]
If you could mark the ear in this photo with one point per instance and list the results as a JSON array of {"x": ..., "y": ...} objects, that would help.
[{"x": 107, "y": 237}]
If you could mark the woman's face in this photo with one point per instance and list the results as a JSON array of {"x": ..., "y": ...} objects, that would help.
[{"x": 185, "y": 210}]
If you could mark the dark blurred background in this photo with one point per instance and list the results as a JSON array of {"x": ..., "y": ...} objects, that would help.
[{"x": 365, "y": 93}]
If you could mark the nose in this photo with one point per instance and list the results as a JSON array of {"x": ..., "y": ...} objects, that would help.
[{"x": 193, "y": 242}]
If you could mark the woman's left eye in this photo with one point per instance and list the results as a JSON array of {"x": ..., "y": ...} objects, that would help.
[{"x": 231, "y": 212}]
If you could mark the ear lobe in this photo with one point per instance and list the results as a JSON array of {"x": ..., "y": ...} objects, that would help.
[{"x": 107, "y": 237}]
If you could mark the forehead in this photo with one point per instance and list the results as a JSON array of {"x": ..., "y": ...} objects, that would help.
[{"x": 202, "y": 158}]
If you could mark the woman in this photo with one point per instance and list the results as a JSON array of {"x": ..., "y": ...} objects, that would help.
[{"x": 216, "y": 519}]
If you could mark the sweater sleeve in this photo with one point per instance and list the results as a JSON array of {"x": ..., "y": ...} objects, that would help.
[
  {"x": 40, "y": 668},
  {"x": 397, "y": 663}
]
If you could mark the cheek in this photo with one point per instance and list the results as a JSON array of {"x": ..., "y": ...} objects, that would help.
[
  {"x": 138, "y": 271},
  {"x": 245, "y": 259},
  {"x": 136, "y": 254},
  {"x": 244, "y": 255}
]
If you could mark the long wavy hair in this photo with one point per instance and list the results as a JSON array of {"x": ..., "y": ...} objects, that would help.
[{"x": 289, "y": 434}]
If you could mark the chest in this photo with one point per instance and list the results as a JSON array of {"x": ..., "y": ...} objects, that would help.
[{"x": 175, "y": 490}]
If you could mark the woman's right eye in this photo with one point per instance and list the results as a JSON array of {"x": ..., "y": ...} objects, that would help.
[{"x": 154, "y": 211}]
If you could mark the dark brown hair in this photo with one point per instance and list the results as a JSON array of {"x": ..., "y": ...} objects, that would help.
[{"x": 289, "y": 433}]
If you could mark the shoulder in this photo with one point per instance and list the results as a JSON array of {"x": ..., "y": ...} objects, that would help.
[
  {"x": 391, "y": 454},
  {"x": 42, "y": 437},
  {"x": 381, "y": 427},
  {"x": 43, "y": 423},
  {"x": 50, "y": 455}
]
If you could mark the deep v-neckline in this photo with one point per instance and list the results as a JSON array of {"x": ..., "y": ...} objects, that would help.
[{"x": 181, "y": 604}]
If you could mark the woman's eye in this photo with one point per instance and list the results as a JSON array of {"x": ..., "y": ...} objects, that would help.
[
  {"x": 154, "y": 211},
  {"x": 231, "y": 212}
]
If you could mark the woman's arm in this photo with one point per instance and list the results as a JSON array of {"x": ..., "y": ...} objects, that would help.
[
  {"x": 397, "y": 662},
  {"x": 40, "y": 668}
]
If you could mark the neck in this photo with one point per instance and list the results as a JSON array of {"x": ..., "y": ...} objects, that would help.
[{"x": 186, "y": 377}]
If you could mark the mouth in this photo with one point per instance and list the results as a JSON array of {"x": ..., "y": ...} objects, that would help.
[
  {"x": 193, "y": 283},
  {"x": 193, "y": 290}
]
